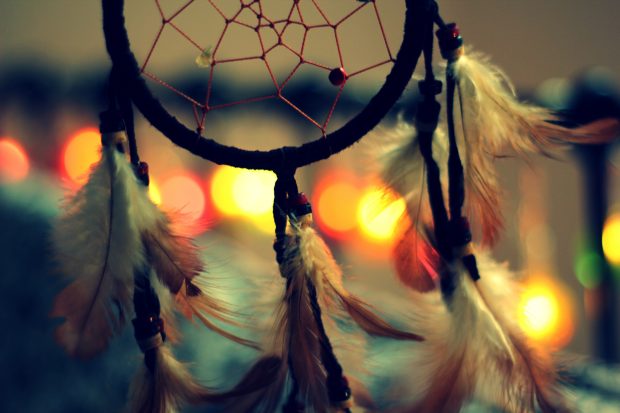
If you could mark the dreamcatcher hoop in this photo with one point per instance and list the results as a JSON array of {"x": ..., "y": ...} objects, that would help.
[{"x": 128, "y": 70}]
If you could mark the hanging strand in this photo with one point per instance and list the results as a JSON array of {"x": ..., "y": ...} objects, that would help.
[
  {"x": 451, "y": 45},
  {"x": 426, "y": 120},
  {"x": 338, "y": 389}
]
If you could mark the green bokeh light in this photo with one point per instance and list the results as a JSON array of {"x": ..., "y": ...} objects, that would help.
[{"x": 588, "y": 267}]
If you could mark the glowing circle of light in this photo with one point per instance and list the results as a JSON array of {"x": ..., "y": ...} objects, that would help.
[
  {"x": 378, "y": 214},
  {"x": 611, "y": 239},
  {"x": 81, "y": 151},
  {"x": 14, "y": 163},
  {"x": 183, "y": 193},
  {"x": 154, "y": 192},
  {"x": 336, "y": 206},
  {"x": 252, "y": 192},
  {"x": 222, "y": 183},
  {"x": 588, "y": 268},
  {"x": 545, "y": 313}
]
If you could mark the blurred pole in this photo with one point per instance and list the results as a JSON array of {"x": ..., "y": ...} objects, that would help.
[{"x": 593, "y": 98}]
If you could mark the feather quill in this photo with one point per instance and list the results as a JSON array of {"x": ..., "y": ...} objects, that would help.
[
  {"x": 474, "y": 348},
  {"x": 97, "y": 246}
]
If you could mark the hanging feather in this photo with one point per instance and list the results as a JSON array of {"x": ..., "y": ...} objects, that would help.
[
  {"x": 176, "y": 261},
  {"x": 495, "y": 123},
  {"x": 403, "y": 171},
  {"x": 415, "y": 261},
  {"x": 312, "y": 257},
  {"x": 163, "y": 384},
  {"x": 474, "y": 347},
  {"x": 96, "y": 245}
]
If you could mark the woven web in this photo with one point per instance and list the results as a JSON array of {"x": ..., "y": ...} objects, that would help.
[{"x": 273, "y": 24}]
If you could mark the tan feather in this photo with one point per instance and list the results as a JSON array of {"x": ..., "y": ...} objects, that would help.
[
  {"x": 203, "y": 306},
  {"x": 496, "y": 124},
  {"x": 165, "y": 389},
  {"x": 97, "y": 246},
  {"x": 475, "y": 349},
  {"x": 176, "y": 261},
  {"x": 297, "y": 335},
  {"x": 415, "y": 261},
  {"x": 317, "y": 262},
  {"x": 403, "y": 169},
  {"x": 175, "y": 258}
]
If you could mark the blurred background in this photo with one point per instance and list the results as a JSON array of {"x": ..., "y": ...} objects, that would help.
[{"x": 563, "y": 215}]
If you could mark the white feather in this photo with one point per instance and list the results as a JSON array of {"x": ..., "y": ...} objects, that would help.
[{"x": 98, "y": 247}]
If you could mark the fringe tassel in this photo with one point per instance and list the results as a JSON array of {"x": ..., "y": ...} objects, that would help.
[{"x": 97, "y": 245}]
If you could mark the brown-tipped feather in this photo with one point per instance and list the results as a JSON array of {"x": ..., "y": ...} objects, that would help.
[
  {"x": 167, "y": 388},
  {"x": 371, "y": 323},
  {"x": 414, "y": 261},
  {"x": 496, "y": 124},
  {"x": 175, "y": 258},
  {"x": 202, "y": 306},
  {"x": 448, "y": 390},
  {"x": 298, "y": 327},
  {"x": 317, "y": 262},
  {"x": 97, "y": 246}
]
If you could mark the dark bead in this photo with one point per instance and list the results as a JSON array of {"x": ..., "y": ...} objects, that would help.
[
  {"x": 430, "y": 87},
  {"x": 337, "y": 76}
]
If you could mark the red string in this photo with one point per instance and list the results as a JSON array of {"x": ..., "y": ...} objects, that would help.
[{"x": 295, "y": 17}]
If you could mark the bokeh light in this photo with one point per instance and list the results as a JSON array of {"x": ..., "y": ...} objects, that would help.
[
  {"x": 14, "y": 163},
  {"x": 546, "y": 312},
  {"x": 222, "y": 183},
  {"x": 182, "y": 192},
  {"x": 335, "y": 203},
  {"x": 379, "y": 213},
  {"x": 81, "y": 151},
  {"x": 154, "y": 192},
  {"x": 588, "y": 268},
  {"x": 245, "y": 194},
  {"x": 611, "y": 239}
]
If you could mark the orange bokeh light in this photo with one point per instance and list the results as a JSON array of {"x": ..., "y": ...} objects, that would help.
[
  {"x": 183, "y": 193},
  {"x": 336, "y": 197},
  {"x": 14, "y": 164},
  {"x": 82, "y": 150}
]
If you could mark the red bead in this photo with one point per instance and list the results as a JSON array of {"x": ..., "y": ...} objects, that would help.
[
  {"x": 300, "y": 199},
  {"x": 143, "y": 169},
  {"x": 337, "y": 76}
]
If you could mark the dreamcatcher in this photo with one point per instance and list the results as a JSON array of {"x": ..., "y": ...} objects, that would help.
[{"x": 126, "y": 260}]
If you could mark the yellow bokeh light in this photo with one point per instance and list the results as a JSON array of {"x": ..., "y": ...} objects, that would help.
[
  {"x": 378, "y": 214},
  {"x": 82, "y": 150},
  {"x": 611, "y": 239},
  {"x": 336, "y": 206},
  {"x": 14, "y": 164},
  {"x": 154, "y": 192},
  {"x": 222, "y": 183},
  {"x": 252, "y": 192},
  {"x": 545, "y": 313}
]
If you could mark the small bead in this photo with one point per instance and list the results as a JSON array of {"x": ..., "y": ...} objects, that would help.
[{"x": 338, "y": 76}]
